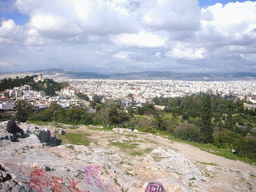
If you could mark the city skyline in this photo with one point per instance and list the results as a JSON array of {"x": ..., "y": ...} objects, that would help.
[{"x": 128, "y": 35}]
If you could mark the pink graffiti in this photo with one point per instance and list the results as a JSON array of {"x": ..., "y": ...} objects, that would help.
[
  {"x": 155, "y": 187},
  {"x": 91, "y": 178}
]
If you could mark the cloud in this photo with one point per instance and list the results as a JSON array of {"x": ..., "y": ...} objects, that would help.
[
  {"x": 234, "y": 23},
  {"x": 173, "y": 15},
  {"x": 148, "y": 34},
  {"x": 124, "y": 55},
  {"x": 233, "y": 17},
  {"x": 158, "y": 54},
  {"x": 143, "y": 39},
  {"x": 65, "y": 18},
  {"x": 183, "y": 51},
  {"x": 10, "y": 32}
]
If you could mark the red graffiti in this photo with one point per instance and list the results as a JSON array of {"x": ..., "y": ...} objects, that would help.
[
  {"x": 35, "y": 180},
  {"x": 56, "y": 184},
  {"x": 40, "y": 181},
  {"x": 73, "y": 184}
]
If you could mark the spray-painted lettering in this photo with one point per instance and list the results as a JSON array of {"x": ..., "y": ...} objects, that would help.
[{"x": 155, "y": 187}]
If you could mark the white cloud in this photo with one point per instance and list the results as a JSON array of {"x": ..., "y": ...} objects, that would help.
[
  {"x": 158, "y": 54},
  {"x": 94, "y": 32},
  {"x": 235, "y": 22},
  {"x": 60, "y": 19},
  {"x": 10, "y": 32},
  {"x": 143, "y": 39},
  {"x": 123, "y": 55},
  {"x": 183, "y": 51},
  {"x": 233, "y": 17},
  {"x": 249, "y": 57},
  {"x": 7, "y": 26},
  {"x": 173, "y": 15},
  {"x": 33, "y": 38}
]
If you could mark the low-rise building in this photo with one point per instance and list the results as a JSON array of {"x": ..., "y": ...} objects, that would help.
[{"x": 6, "y": 106}]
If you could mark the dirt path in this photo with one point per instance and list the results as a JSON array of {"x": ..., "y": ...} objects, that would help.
[{"x": 195, "y": 154}]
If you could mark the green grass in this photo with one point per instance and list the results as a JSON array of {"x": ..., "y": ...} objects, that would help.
[
  {"x": 39, "y": 122},
  {"x": 70, "y": 147},
  {"x": 78, "y": 138},
  {"x": 116, "y": 182},
  {"x": 105, "y": 128},
  {"x": 213, "y": 164},
  {"x": 148, "y": 150},
  {"x": 125, "y": 145},
  {"x": 132, "y": 135},
  {"x": 136, "y": 153}
]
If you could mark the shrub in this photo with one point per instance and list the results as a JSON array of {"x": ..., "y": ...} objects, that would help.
[
  {"x": 185, "y": 116},
  {"x": 226, "y": 138},
  {"x": 145, "y": 122},
  {"x": 246, "y": 148},
  {"x": 187, "y": 132},
  {"x": 149, "y": 129},
  {"x": 40, "y": 117}
]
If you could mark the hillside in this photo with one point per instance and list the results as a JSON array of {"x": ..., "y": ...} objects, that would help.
[
  {"x": 146, "y": 75},
  {"x": 115, "y": 160}
]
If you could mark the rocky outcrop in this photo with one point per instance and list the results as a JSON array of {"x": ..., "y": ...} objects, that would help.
[{"x": 115, "y": 161}]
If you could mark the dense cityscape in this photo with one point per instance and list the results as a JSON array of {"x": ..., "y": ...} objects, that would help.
[{"x": 127, "y": 92}]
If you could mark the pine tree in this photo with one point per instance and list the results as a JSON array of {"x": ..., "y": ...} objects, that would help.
[
  {"x": 113, "y": 115},
  {"x": 206, "y": 120},
  {"x": 23, "y": 110}
]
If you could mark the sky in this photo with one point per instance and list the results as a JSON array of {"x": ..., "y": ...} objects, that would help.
[{"x": 108, "y": 36}]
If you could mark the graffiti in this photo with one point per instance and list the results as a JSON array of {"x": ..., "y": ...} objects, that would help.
[
  {"x": 155, "y": 187},
  {"x": 40, "y": 181},
  {"x": 73, "y": 188},
  {"x": 91, "y": 178}
]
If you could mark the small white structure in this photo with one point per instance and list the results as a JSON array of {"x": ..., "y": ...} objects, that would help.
[
  {"x": 39, "y": 78},
  {"x": 6, "y": 106}
]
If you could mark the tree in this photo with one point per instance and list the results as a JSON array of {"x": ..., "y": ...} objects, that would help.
[
  {"x": 131, "y": 111},
  {"x": 83, "y": 96},
  {"x": 206, "y": 120},
  {"x": 23, "y": 110},
  {"x": 113, "y": 115},
  {"x": 96, "y": 99},
  {"x": 159, "y": 122},
  {"x": 54, "y": 107}
]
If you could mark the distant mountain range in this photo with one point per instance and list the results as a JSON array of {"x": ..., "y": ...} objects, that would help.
[{"x": 151, "y": 75}]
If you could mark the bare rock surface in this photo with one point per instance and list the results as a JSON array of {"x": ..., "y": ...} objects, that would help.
[{"x": 116, "y": 160}]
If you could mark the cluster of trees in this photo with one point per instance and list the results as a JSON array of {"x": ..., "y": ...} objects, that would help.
[
  {"x": 225, "y": 112},
  {"x": 106, "y": 116},
  {"x": 48, "y": 85},
  {"x": 17, "y": 82},
  {"x": 83, "y": 96},
  {"x": 206, "y": 119},
  {"x": 213, "y": 119}
]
